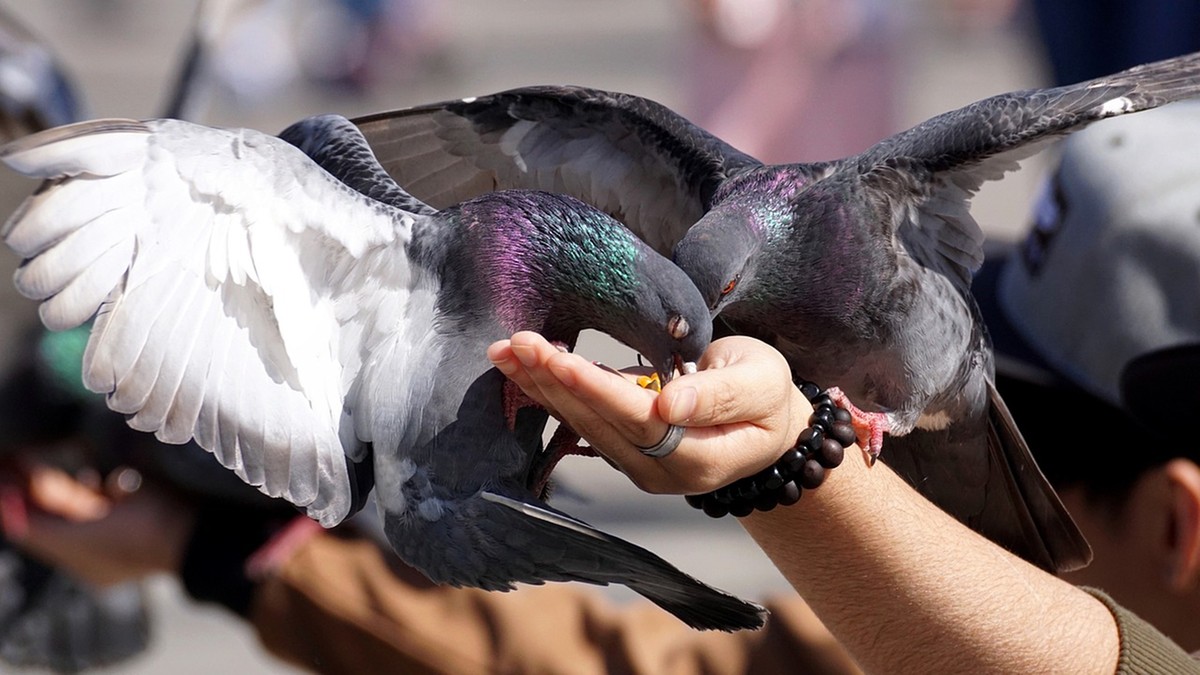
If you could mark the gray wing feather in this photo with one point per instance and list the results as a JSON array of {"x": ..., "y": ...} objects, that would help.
[
  {"x": 988, "y": 479},
  {"x": 228, "y": 264},
  {"x": 626, "y": 155},
  {"x": 938, "y": 165}
]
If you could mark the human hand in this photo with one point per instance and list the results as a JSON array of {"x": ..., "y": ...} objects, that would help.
[
  {"x": 102, "y": 532},
  {"x": 741, "y": 410}
]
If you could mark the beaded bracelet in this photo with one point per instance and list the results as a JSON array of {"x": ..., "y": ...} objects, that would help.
[{"x": 819, "y": 448}]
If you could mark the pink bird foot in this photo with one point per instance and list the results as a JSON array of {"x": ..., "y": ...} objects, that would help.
[
  {"x": 869, "y": 427},
  {"x": 562, "y": 443}
]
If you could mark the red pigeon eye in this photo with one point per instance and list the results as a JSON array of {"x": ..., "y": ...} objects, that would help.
[{"x": 729, "y": 286}]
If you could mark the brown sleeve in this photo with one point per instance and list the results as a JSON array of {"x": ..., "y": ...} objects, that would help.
[
  {"x": 1144, "y": 650},
  {"x": 343, "y": 605}
]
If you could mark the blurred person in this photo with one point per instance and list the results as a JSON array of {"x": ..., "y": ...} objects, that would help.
[
  {"x": 788, "y": 79},
  {"x": 1096, "y": 324},
  {"x": 1084, "y": 39}
]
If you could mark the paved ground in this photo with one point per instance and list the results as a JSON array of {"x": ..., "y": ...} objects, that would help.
[{"x": 122, "y": 60}]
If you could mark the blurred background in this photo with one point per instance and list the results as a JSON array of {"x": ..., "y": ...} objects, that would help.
[{"x": 785, "y": 80}]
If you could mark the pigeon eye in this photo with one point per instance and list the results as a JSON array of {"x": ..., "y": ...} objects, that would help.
[
  {"x": 730, "y": 286},
  {"x": 678, "y": 327}
]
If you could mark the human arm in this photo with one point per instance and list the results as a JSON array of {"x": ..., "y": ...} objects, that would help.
[{"x": 902, "y": 585}]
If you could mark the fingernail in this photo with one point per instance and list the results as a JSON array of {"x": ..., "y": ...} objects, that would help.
[
  {"x": 505, "y": 366},
  {"x": 525, "y": 354},
  {"x": 683, "y": 405}
]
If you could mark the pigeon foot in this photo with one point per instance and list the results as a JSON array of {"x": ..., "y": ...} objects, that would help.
[
  {"x": 869, "y": 427},
  {"x": 564, "y": 442}
]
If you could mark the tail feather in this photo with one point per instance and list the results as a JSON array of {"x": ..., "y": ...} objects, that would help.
[
  {"x": 575, "y": 551},
  {"x": 1048, "y": 533},
  {"x": 983, "y": 473}
]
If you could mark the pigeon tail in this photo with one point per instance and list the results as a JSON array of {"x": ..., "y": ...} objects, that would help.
[
  {"x": 492, "y": 541},
  {"x": 580, "y": 552},
  {"x": 1032, "y": 522},
  {"x": 982, "y": 473}
]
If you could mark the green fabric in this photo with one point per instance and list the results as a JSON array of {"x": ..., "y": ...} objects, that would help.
[
  {"x": 1144, "y": 650},
  {"x": 63, "y": 353}
]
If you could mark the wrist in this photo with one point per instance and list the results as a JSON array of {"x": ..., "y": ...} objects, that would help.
[{"x": 818, "y": 448}]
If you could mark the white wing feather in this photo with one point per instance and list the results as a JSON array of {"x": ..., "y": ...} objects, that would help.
[{"x": 235, "y": 286}]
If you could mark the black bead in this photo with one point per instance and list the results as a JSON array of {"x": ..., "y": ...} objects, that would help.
[
  {"x": 745, "y": 490},
  {"x": 766, "y": 501},
  {"x": 713, "y": 508},
  {"x": 810, "y": 440},
  {"x": 741, "y": 509},
  {"x": 813, "y": 475},
  {"x": 823, "y": 401},
  {"x": 822, "y": 417},
  {"x": 772, "y": 479},
  {"x": 843, "y": 433},
  {"x": 695, "y": 501},
  {"x": 790, "y": 464},
  {"x": 790, "y": 494},
  {"x": 842, "y": 415},
  {"x": 809, "y": 389},
  {"x": 831, "y": 454},
  {"x": 723, "y": 495}
]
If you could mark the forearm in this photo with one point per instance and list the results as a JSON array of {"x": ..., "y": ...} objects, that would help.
[{"x": 907, "y": 589}]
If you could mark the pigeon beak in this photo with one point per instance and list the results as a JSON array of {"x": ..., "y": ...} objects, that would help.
[{"x": 667, "y": 371}]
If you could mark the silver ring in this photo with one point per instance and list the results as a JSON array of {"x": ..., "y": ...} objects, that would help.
[{"x": 667, "y": 445}]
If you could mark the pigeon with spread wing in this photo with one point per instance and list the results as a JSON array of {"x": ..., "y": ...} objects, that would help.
[
  {"x": 291, "y": 308},
  {"x": 858, "y": 269}
]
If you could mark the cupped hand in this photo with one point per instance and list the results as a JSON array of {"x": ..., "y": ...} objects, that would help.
[{"x": 740, "y": 409}]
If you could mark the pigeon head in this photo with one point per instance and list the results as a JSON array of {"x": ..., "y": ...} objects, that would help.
[
  {"x": 558, "y": 266},
  {"x": 667, "y": 298},
  {"x": 720, "y": 255}
]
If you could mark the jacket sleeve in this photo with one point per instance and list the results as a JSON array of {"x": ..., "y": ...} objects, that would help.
[
  {"x": 341, "y": 604},
  {"x": 1144, "y": 650}
]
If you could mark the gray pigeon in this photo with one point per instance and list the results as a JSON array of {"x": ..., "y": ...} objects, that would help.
[
  {"x": 858, "y": 270},
  {"x": 321, "y": 333}
]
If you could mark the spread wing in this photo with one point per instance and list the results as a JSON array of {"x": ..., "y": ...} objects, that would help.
[
  {"x": 237, "y": 289},
  {"x": 934, "y": 168},
  {"x": 626, "y": 155}
]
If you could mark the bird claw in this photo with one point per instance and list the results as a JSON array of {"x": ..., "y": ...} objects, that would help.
[
  {"x": 869, "y": 427},
  {"x": 562, "y": 443}
]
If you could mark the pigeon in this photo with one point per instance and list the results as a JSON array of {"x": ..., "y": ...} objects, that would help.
[
  {"x": 323, "y": 334},
  {"x": 858, "y": 269}
]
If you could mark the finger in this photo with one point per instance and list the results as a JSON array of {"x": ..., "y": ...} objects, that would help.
[
  {"x": 57, "y": 493},
  {"x": 501, "y": 355},
  {"x": 741, "y": 380},
  {"x": 611, "y": 396},
  {"x": 558, "y": 377}
]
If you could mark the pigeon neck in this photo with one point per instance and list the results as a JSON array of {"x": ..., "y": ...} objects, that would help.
[{"x": 549, "y": 263}]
